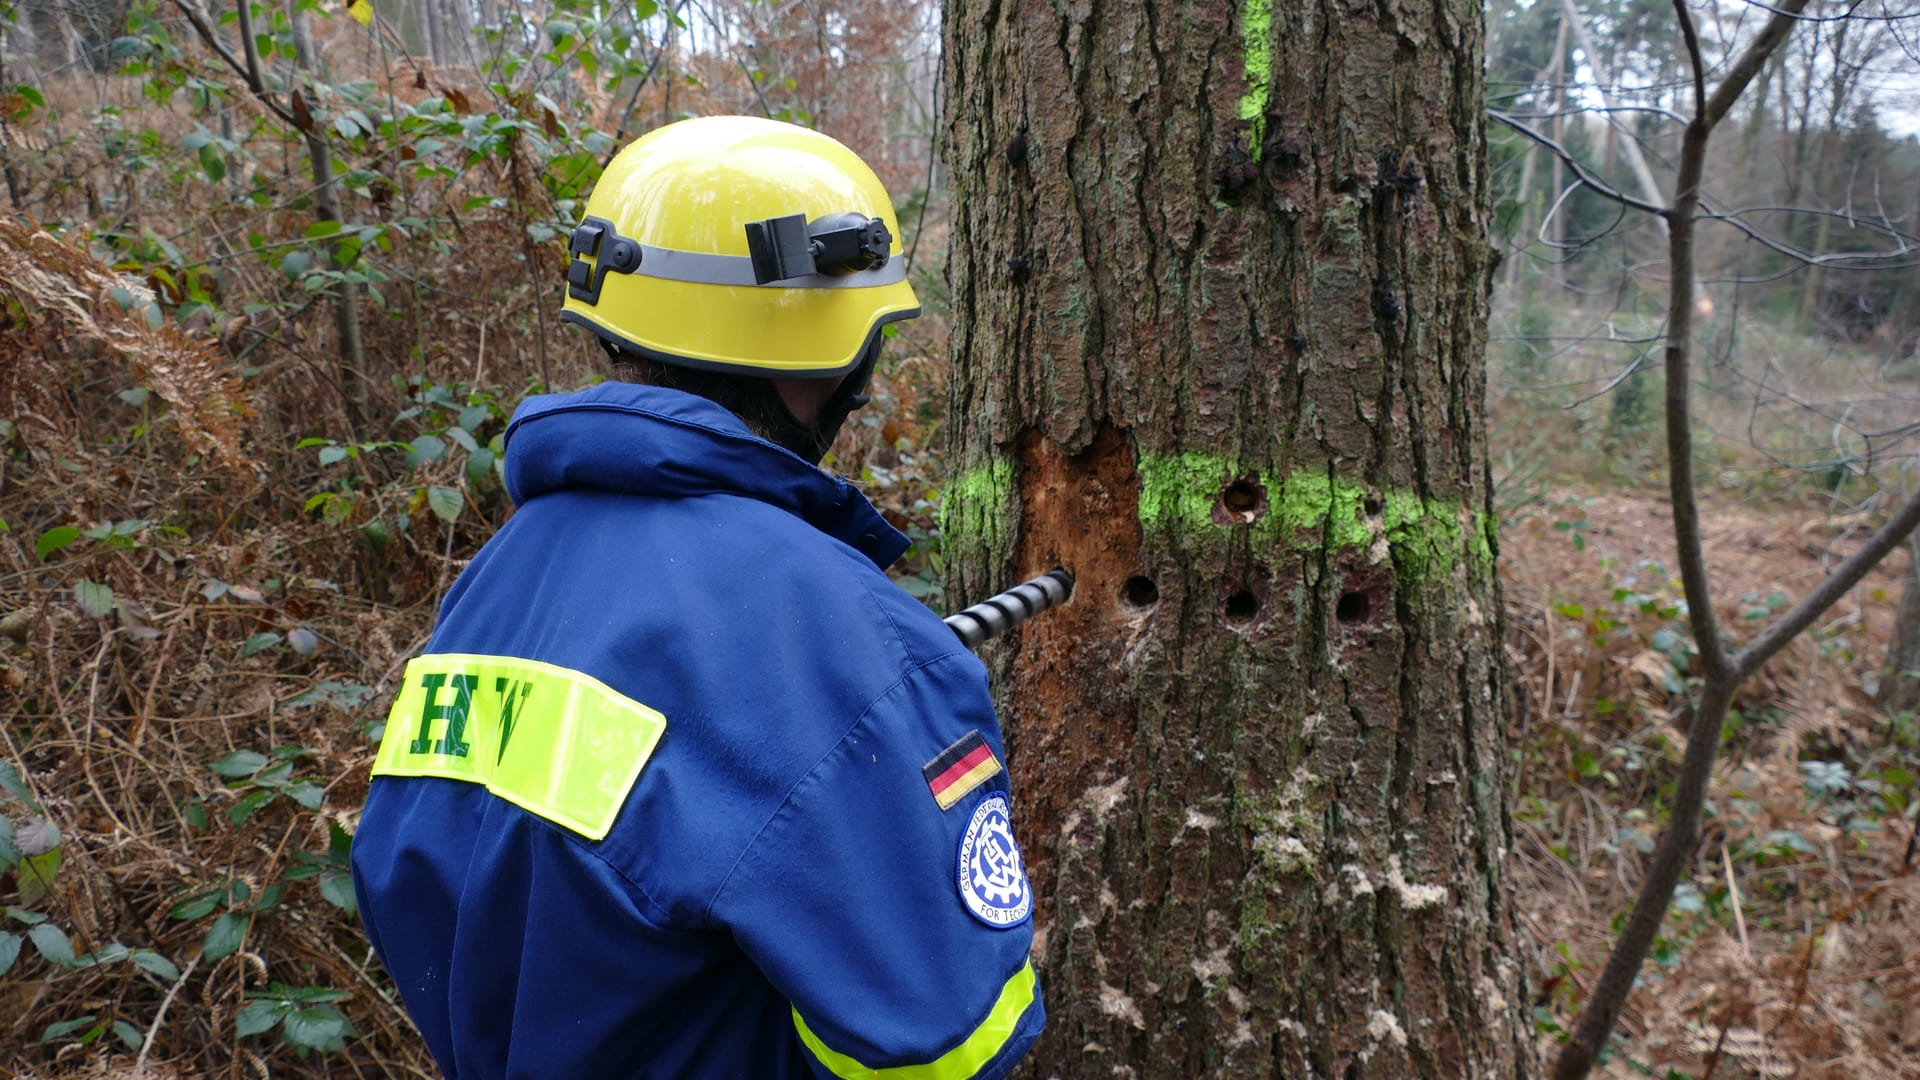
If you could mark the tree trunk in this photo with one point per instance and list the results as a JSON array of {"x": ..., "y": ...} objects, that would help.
[
  {"x": 1219, "y": 284},
  {"x": 306, "y": 57},
  {"x": 73, "y": 48},
  {"x": 355, "y": 379},
  {"x": 1900, "y": 682},
  {"x": 1557, "y": 226}
]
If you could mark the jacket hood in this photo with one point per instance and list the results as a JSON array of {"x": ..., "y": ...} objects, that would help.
[{"x": 650, "y": 440}]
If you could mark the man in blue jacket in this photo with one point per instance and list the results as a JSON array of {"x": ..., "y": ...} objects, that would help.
[{"x": 683, "y": 785}]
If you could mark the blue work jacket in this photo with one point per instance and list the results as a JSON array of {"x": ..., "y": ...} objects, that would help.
[{"x": 683, "y": 786}]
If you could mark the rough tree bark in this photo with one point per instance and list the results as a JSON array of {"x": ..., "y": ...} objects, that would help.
[{"x": 1219, "y": 287}]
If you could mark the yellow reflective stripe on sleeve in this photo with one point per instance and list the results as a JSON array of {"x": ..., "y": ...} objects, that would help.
[
  {"x": 553, "y": 741},
  {"x": 956, "y": 1064}
]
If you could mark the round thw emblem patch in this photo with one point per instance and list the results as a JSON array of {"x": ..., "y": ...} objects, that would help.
[{"x": 992, "y": 878}]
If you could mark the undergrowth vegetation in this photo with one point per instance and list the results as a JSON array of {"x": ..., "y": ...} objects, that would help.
[
  {"x": 1789, "y": 948},
  {"x": 224, "y": 526}
]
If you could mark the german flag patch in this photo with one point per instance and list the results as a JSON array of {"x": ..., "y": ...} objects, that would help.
[{"x": 960, "y": 768}]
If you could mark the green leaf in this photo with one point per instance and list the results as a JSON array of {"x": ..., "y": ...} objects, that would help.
[
  {"x": 16, "y": 785},
  {"x": 54, "y": 539},
  {"x": 445, "y": 503},
  {"x": 33, "y": 96},
  {"x": 464, "y": 438},
  {"x": 197, "y": 907},
  {"x": 37, "y": 874},
  {"x": 342, "y": 696},
  {"x": 265, "y": 639},
  {"x": 111, "y": 953},
  {"x": 9, "y": 851},
  {"x": 424, "y": 449},
  {"x": 239, "y": 763},
  {"x": 9, "y": 950},
  {"x": 307, "y": 794},
  {"x": 244, "y": 807},
  {"x": 322, "y": 228},
  {"x": 148, "y": 960},
  {"x": 225, "y": 938},
  {"x": 330, "y": 455},
  {"x": 479, "y": 463},
  {"x": 318, "y": 1028},
  {"x": 337, "y": 889},
  {"x": 308, "y": 995},
  {"x": 295, "y": 263},
  {"x": 126, "y": 48},
  {"x": 52, "y": 943},
  {"x": 94, "y": 598},
  {"x": 66, "y": 1027},
  {"x": 196, "y": 139},
  {"x": 258, "y": 1016},
  {"x": 129, "y": 1034},
  {"x": 31, "y": 918},
  {"x": 213, "y": 164}
]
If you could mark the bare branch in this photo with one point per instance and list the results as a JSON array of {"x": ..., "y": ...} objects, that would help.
[
  {"x": 1850, "y": 15},
  {"x": 1787, "y": 627},
  {"x": 249, "y": 75},
  {"x": 1580, "y": 171},
  {"x": 1692, "y": 39},
  {"x": 1745, "y": 68}
]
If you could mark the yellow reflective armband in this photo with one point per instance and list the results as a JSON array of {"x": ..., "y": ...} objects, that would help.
[
  {"x": 550, "y": 740},
  {"x": 959, "y": 1063}
]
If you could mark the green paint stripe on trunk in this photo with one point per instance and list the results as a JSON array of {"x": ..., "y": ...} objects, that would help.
[
  {"x": 1180, "y": 493},
  {"x": 1256, "y": 51},
  {"x": 978, "y": 506}
]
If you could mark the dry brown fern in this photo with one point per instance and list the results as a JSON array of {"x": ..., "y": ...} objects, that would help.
[{"x": 62, "y": 291}]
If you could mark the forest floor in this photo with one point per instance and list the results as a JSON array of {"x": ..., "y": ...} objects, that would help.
[{"x": 1794, "y": 951}]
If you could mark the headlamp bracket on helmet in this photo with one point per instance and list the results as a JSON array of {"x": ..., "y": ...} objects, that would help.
[
  {"x": 789, "y": 247},
  {"x": 611, "y": 252}
]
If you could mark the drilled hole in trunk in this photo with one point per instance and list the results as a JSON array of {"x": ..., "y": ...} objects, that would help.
[
  {"x": 1242, "y": 607},
  {"x": 1353, "y": 607},
  {"x": 1241, "y": 503},
  {"x": 1139, "y": 592}
]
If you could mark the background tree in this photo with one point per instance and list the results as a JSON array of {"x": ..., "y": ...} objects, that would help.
[{"x": 1219, "y": 284}]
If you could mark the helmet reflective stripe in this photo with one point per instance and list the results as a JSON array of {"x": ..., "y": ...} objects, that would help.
[{"x": 596, "y": 235}]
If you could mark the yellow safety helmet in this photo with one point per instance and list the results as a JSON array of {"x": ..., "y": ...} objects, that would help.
[{"x": 739, "y": 245}]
